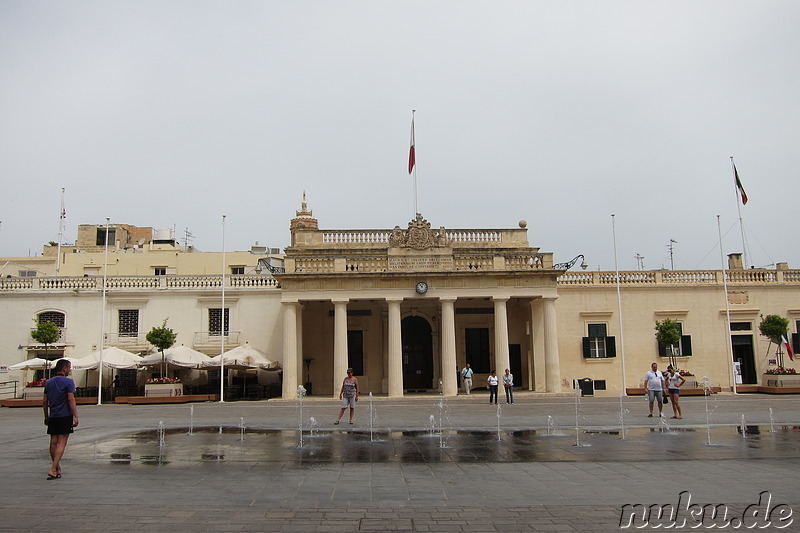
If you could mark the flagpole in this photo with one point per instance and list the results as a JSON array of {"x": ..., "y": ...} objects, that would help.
[
  {"x": 729, "y": 342},
  {"x": 619, "y": 307},
  {"x": 61, "y": 216},
  {"x": 222, "y": 335},
  {"x": 739, "y": 209},
  {"x": 103, "y": 319}
]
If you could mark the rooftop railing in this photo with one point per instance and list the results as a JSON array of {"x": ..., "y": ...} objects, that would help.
[
  {"x": 679, "y": 277},
  {"x": 485, "y": 263}
]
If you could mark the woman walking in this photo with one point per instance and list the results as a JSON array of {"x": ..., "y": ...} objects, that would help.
[
  {"x": 348, "y": 395},
  {"x": 674, "y": 382}
]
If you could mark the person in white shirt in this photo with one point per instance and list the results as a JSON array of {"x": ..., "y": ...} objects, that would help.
[
  {"x": 674, "y": 382},
  {"x": 654, "y": 387},
  {"x": 492, "y": 383}
]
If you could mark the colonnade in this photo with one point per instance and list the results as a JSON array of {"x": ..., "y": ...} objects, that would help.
[{"x": 543, "y": 307}]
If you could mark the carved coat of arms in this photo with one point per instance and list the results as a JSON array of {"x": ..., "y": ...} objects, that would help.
[{"x": 418, "y": 236}]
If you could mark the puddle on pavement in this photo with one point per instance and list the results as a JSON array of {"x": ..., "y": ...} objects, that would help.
[{"x": 226, "y": 445}]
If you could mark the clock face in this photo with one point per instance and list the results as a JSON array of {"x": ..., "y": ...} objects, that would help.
[{"x": 422, "y": 287}]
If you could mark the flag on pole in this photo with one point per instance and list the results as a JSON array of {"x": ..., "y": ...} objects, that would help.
[
  {"x": 788, "y": 345},
  {"x": 739, "y": 186},
  {"x": 411, "y": 155}
]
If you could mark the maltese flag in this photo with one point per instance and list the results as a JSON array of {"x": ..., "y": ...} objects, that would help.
[
  {"x": 788, "y": 348},
  {"x": 412, "y": 160}
]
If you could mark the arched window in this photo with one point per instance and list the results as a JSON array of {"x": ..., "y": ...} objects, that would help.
[{"x": 55, "y": 317}]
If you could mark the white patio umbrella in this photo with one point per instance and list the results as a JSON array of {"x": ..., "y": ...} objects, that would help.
[
  {"x": 112, "y": 358},
  {"x": 177, "y": 356},
  {"x": 244, "y": 357},
  {"x": 37, "y": 363}
]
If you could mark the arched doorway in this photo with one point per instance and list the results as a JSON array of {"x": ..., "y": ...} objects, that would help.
[{"x": 417, "y": 353}]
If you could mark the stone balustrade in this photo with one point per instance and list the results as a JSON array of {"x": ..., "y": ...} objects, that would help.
[
  {"x": 135, "y": 283},
  {"x": 338, "y": 237},
  {"x": 679, "y": 277},
  {"x": 380, "y": 237},
  {"x": 365, "y": 264},
  {"x": 464, "y": 236}
]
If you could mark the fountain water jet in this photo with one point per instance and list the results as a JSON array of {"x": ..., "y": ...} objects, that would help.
[
  {"x": 301, "y": 394},
  {"x": 161, "y": 440},
  {"x": 499, "y": 411},
  {"x": 707, "y": 390},
  {"x": 622, "y": 413}
]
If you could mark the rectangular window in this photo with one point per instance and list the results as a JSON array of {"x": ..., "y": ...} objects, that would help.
[
  {"x": 355, "y": 351},
  {"x": 27, "y": 273},
  {"x": 159, "y": 271},
  {"x": 101, "y": 236},
  {"x": 682, "y": 348},
  {"x": 215, "y": 325},
  {"x": 237, "y": 270},
  {"x": 741, "y": 326},
  {"x": 128, "y": 322},
  {"x": 477, "y": 349},
  {"x": 598, "y": 345}
]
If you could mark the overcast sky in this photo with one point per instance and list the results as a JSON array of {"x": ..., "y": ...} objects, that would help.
[{"x": 172, "y": 113}]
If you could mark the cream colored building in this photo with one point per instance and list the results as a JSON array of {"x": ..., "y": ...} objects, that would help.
[{"x": 406, "y": 307}]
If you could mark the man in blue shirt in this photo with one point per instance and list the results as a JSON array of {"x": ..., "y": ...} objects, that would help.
[{"x": 60, "y": 413}]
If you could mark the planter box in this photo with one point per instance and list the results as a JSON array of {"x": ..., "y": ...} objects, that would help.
[
  {"x": 33, "y": 393},
  {"x": 780, "y": 380},
  {"x": 164, "y": 389}
]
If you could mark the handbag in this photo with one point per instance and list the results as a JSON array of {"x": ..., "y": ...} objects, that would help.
[{"x": 666, "y": 398}]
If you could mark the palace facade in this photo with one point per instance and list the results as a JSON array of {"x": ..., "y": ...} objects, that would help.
[{"x": 406, "y": 308}]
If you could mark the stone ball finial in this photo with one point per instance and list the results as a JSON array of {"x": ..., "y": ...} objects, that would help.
[{"x": 523, "y": 224}]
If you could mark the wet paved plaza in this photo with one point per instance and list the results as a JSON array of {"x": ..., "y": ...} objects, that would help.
[{"x": 543, "y": 464}]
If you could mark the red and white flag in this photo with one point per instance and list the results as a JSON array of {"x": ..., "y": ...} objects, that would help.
[
  {"x": 789, "y": 350},
  {"x": 412, "y": 160},
  {"x": 739, "y": 186}
]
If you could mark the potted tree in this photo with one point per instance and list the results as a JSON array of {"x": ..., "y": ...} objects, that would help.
[
  {"x": 668, "y": 333},
  {"x": 775, "y": 328},
  {"x": 162, "y": 338},
  {"x": 46, "y": 333}
]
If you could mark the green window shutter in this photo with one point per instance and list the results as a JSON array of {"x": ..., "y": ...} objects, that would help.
[
  {"x": 686, "y": 345},
  {"x": 662, "y": 349},
  {"x": 611, "y": 347},
  {"x": 587, "y": 351}
]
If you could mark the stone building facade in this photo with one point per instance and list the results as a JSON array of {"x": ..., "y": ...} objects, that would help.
[{"x": 405, "y": 307}]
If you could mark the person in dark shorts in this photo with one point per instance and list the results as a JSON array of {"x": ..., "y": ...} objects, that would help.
[{"x": 60, "y": 413}]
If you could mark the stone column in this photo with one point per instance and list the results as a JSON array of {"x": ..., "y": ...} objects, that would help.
[
  {"x": 449, "y": 366},
  {"x": 290, "y": 350},
  {"x": 339, "y": 344},
  {"x": 300, "y": 365},
  {"x": 552, "y": 369},
  {"x": 500, "y": 335},
  {"x": 537, "y": 347},
  {"x": 395, "y": 368}
]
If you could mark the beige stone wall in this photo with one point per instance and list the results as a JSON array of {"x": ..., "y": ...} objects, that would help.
[{"x": 700, "y": 309}]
